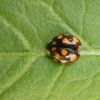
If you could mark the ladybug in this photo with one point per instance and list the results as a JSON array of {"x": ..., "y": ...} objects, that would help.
[{"x": 64, "y": 48}]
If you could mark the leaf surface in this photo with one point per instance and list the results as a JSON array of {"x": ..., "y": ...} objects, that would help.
[{"x": 26, "y": 73}]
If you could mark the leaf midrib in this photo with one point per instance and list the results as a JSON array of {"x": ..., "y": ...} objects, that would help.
[{"x": 83, "y": 53}]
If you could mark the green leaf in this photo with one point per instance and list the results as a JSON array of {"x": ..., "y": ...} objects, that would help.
[{"x": 26, "y": 73}]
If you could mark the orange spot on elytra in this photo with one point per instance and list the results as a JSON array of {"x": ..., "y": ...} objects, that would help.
[
  {"x": 64, "y": 52},
  {"x": 73, "y": 57},
  {"x": 78, "y": 49},
  {"x": 65, "y": 40},
  {"x": 57, "y": 56},
  {"x": 54, "y": 48},
  {"x": 54, "y": 43},
  {"x": 59, "y": 36},
  {"x": 75, "y": 39}
]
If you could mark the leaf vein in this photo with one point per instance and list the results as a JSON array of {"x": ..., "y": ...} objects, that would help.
[
  {"x": 66, "y": 25},
  {"x": 54, "y": 81},
  {"x": 82, "y": 17},
  {"x": 82, "y": 90},
  {"x": 16, "y": 32},
  {"x": 20, "y": 75}
]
